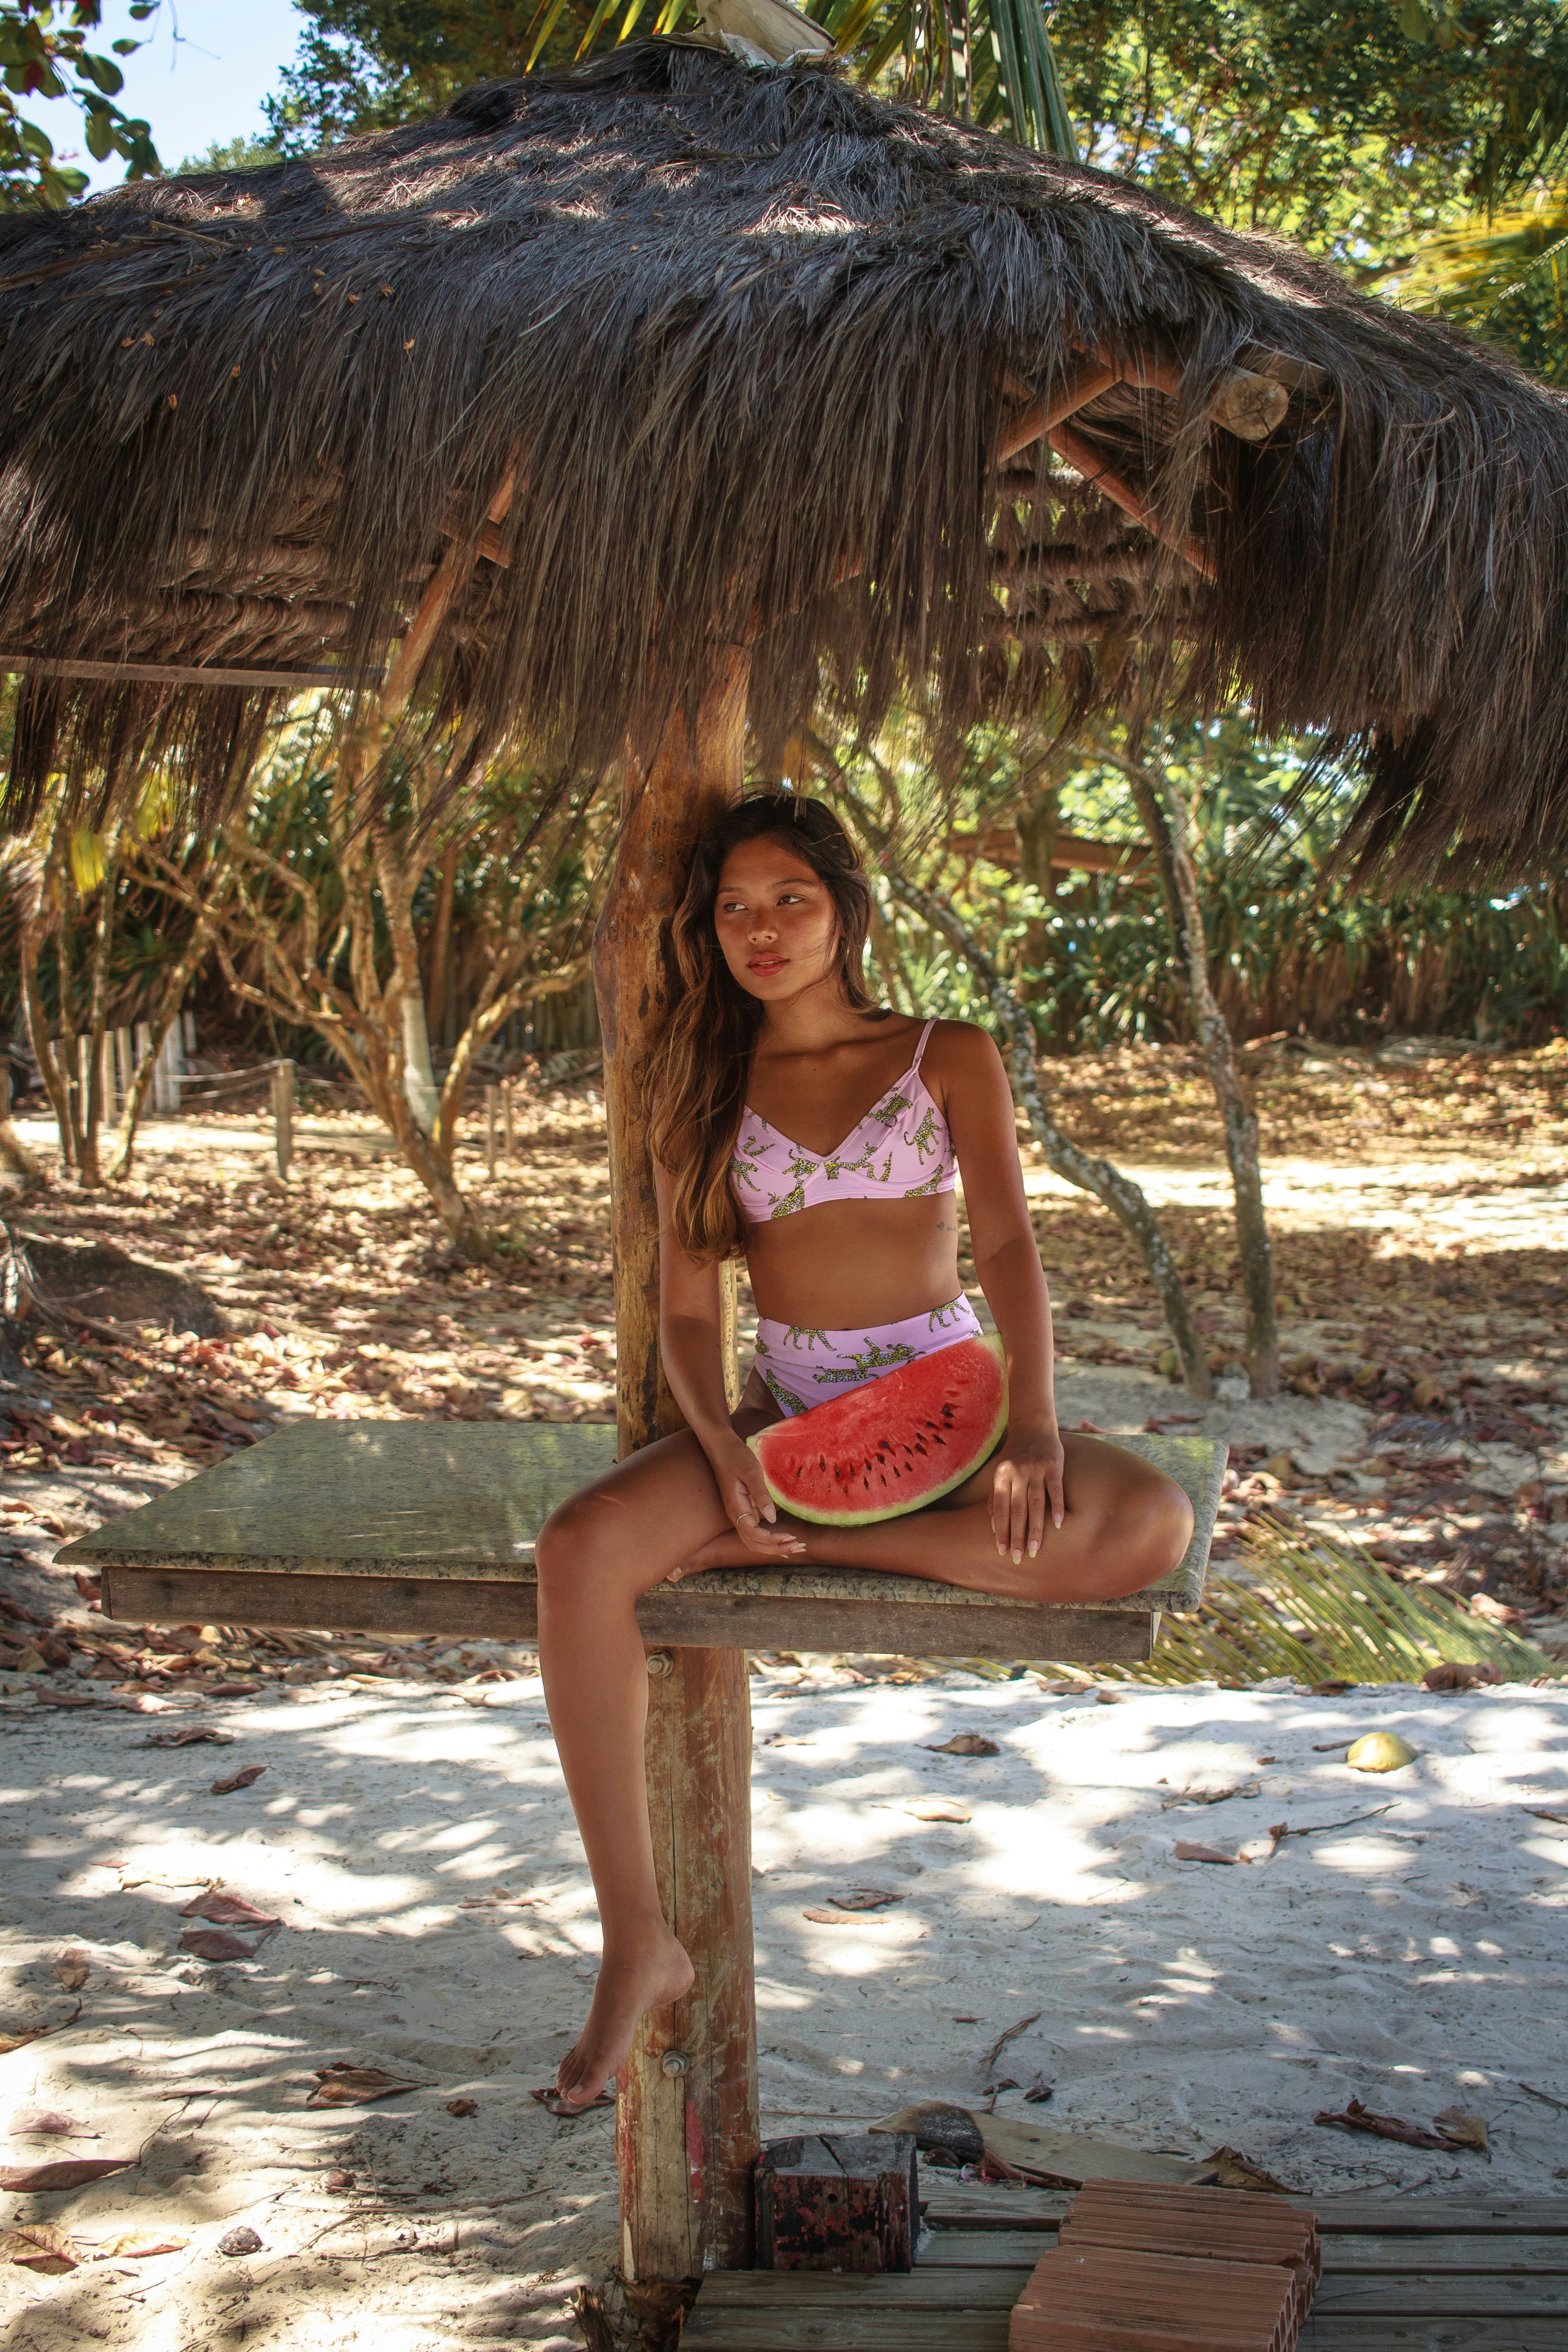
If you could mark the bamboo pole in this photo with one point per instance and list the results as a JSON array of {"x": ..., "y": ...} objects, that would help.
[
  {"x": 686, "y": 2133},
  {"x": 282, "y": 1116}
]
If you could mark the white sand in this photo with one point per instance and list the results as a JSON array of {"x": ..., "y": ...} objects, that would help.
[{"x": 1414, "y": 1960}]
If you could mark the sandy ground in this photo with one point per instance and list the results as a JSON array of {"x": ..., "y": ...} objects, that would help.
[{"x": 418, "y": 1850}]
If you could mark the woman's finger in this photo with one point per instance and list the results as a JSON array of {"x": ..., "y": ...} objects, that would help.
[
  {"x": 1057, "y": 1492},
  {"x": 1017, "y": 1517},
  {"x": 1001, "y": 1504},
  {"x": 1036, "y": 1511}
]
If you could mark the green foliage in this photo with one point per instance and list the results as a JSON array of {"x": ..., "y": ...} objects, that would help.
[
  {"x": 1291, "y": 946},
  {"x": 44, "y": 53},
  {"x": 233, "y": 155},
  {"x": 1351, "y": 128},
  {"x": 365, "y": 64}
]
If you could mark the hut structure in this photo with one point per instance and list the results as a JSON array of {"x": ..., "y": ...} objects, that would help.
[{"x": 610, "y": 410}]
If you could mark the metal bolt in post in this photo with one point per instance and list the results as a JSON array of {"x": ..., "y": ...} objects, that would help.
[{"x": 660, "y": 1662}]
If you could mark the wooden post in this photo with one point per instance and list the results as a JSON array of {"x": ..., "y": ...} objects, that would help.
[
  {"x": 511, "y": 1117},
  {"x": 492, "y": 1107},
  {"x": 686, "y": 2136},
  {"x": 283, "y": 1115},
  {"x": 126, "y": 1061},
  {"x": 108, "y": 1091}
]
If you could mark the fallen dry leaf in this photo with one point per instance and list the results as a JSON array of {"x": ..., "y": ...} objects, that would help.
[
  {"x": 65, "y": 2172},
  {"x": 44, "y": 2123},
  {"x": 72, "y": 1969},
  {"x": 1039, "y": 2091},
  {"x": 38, "y": 2246},
  {"x": 964, "y": 1743},
  {"x": 1187, "y": 1852},
  {"x": 550, "y": 2099},
  {"x": 832, "y": 1918},
  {"x": 9, "y": 2042},
  {"x": 188, "y": 1735},
  {"x": 217, "y": 1944},
  {"x": 343, "y": 2085},
  {"x": 137, "y": 2246},
  {"x": 44, "y": 1697},
  {"x": 233, "y": 1690},
  {"x": 1234, "y": 2171},
  {"x": 1540, "y": 1813},
  {"x": 1461, "y": 1677},
  {"x": 864, "y": 1898},
  {"x": 238, "y": 1780},
  {"x": 1357, "y": 2118},
  {"x": 228, "y": 1911},
  {"x": 928, "y": 1809},
  {"x": 462, "y": 2106},
  {"x": 1464, "y": 2130}
]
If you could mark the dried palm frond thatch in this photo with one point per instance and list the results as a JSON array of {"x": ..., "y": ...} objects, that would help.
[{"x": 669, "y": 351}]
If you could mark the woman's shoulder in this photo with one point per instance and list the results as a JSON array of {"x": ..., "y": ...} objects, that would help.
[{"x": 959, "y": 1049}]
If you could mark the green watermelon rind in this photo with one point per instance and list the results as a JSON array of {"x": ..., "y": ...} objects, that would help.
[{"x": 779, "y": 1431}]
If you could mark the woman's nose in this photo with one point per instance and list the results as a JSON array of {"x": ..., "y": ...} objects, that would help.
[{"x": 762, "y": 927}]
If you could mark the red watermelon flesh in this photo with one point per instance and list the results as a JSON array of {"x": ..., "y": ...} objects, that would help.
[{"x": 894, "y": 1444}]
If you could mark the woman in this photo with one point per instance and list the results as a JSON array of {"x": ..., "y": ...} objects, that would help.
[{"x": 796, "y": 1123}]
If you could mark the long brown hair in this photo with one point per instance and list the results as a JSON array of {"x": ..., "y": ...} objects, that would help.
[{"x": 701, "y": 1063}]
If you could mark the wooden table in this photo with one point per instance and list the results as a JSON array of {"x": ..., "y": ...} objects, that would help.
[
  {"x": 410, "y": 1526},
  {"x": 405, "y": 1527}
]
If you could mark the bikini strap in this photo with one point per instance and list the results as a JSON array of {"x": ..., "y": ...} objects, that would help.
[{"x": 920, "y": 1049}]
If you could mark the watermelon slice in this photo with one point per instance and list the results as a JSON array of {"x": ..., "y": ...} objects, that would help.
[{"x": 893, "y": 1445}]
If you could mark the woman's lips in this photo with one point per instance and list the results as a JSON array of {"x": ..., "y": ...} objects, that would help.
[{"x": 766, "y": 963}]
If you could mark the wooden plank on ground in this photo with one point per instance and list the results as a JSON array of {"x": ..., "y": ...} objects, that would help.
[
  {"x": 1354, "y": 2255},
  {"x": 1441, "y": 2295},
  {"x": 1435, "y": 2216},
  {"x": 812, "y": 2329},
  {"x": 963, "y": 2207},
  {"x": 985, "y": 2249},
  {"x": 1404, "y": 2335},
  {"x": 921, "y": 2289}
]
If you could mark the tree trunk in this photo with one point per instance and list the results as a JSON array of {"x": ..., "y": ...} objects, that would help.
[
  {"x": 440, "y": 994},
  {"x": 53, "y": 1073},
  {"x": 1164, "y": 817},
  {"x": 1107, "y": 1182},
  {"x": 686, "y": 2126},
  {"x": 15, "y": 1159}
]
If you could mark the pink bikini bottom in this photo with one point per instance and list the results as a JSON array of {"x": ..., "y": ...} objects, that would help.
[{"x": 804, "y": 1367}]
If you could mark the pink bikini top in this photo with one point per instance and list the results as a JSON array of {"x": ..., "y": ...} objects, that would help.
[{"x": 900, "y": 1151}]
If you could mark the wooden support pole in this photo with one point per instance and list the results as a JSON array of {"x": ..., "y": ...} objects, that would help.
[
  {"x": 492, "y": 1105},
  {"x": 508, "y": 1114},
  {"x": 283, "y": 1115},
  {"x": 686, "y": 2135}
]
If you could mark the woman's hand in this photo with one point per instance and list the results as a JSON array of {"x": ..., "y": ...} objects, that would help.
[
  {"x": 747, "y": 1505},
  {"x": 1028, "y": 1477}
]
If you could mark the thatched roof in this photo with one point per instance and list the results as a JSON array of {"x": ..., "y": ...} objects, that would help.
[{"x": 747, "y": 340}]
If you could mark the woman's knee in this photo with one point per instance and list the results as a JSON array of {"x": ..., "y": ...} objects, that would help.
[
  {"x": 1147, "y": 1528},
  {"x": 1159, "y": 1528},
  {"x": 570, "y": 1550}
]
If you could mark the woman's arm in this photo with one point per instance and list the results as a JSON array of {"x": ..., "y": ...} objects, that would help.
[
  {"x": 692, "y": 1346},
  {"x": 978, "y": 1106}
]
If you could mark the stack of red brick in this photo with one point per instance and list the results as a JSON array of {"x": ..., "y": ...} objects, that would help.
[{"x": 1161, "y": 2270}]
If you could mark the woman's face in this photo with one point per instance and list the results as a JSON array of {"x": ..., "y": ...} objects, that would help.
[{"x": 775, "y": 921}]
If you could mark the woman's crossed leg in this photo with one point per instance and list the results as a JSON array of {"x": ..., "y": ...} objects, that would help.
[{"x": 657, "y": 1515}]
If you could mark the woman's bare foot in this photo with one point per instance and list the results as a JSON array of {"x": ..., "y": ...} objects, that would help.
[{"x": 653, "y": 1973}]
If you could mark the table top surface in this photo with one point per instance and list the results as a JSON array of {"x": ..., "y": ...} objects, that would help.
[{"x": 465, "y": 1500}]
